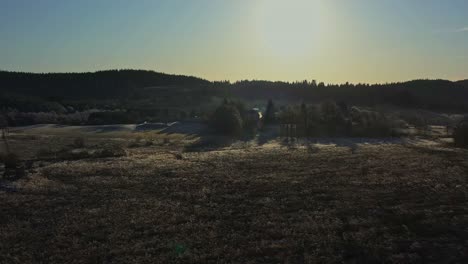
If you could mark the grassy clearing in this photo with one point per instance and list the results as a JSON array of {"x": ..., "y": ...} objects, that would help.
[{"x": 275, "y": 203}]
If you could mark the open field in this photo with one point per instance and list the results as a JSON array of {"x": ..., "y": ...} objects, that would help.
[{"x": 175, "y": 201}]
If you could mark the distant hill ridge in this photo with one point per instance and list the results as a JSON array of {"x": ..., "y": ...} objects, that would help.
[
  {"x": 126, "y": 84},
  {"x": 110, "y": 83},
  {"x": 463, "y": 83}
]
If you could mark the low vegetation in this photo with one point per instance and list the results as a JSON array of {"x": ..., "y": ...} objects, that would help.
[
  {"x": 75, "y": 152},
  {"x": 323, "y": 193},
  {"x": 13, "y": 168},
  {"x": 79, "y": 142},
  {"x": 327, "y": 119},
  {"x": 280, "y": 202},
  {"x": 461, "y": 134},
  {"x": 227, "y": 120}
]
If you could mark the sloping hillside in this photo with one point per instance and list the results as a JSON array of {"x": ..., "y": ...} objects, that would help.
[
  {"x": 149, "y": 89},
  {"x": 102, "y": 84},
  {"x": 463, "y": 83}
]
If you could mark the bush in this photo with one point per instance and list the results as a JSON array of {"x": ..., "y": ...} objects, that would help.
[
  {"x": 13, "y": 165},
  {"x": 460, "y": 134},
  {"x": 44, "y": 152},
  {"x": 10, "y": 160},
  {"x": 110, "y": 151},
  {"x": 107, "y": 151},
  {"x": 367, "y": 123},
  {"x": 134, "y": 144},
  {"x": 332, "y": 120},
  {"x": 79, "y": 142},
  {"x": 73, "y": 154},
  {"x": 227, "y": 120},
  {"x": 103, "y": 151}
]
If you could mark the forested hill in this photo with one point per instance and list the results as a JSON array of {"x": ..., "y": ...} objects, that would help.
[
  {"x": 152, "y": 88},
  {"x": 428, "y": 94},
  {"x": 463, "y": 83},
  {"x": 101, "y": 84}
]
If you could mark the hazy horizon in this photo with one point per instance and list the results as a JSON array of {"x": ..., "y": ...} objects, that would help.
[
  {"x": 240, "y": 80},
  {"x": 333, "y": 41}
]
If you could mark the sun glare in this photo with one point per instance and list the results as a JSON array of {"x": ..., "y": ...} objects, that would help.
[{"x": 288, "y": 28}]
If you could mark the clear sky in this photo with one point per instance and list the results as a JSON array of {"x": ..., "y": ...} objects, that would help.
[{"x": 328, "y": 40}]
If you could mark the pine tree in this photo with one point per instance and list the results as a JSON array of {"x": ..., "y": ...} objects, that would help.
[{"x": 269, "y": 117}]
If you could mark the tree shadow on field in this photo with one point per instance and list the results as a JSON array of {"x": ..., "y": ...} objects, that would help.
[
  {"x": 107, "y": 128},
  {"x": 349, "y": 141},
  {"x": 446, "y": 151},
  {"x": 266, "y": 136},
  {"x": 210, "y": 143},
  {"x": 193, "y": 128}
]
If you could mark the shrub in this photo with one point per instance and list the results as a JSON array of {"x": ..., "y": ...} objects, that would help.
[
  {"x": 227, "y": 120},
  {"x": 44, "y": 152},
  {"x": 134, "y": 144},
  {"x": 79, "y": 142},
  {"x": 110, "y": 151},
  {"x": 74, "y": 155},
  {"x": 64, "y": 154},
  {"x": 13, "y": 165},
  {"x": 10, "y": 160},
  {"x": 104, "y": 151},
  {"x": 331, "y": 120},
  {"x": 460, "y": 134},
  {"x": 166, "y": 141},
  {"x": 367, "y": 123}
]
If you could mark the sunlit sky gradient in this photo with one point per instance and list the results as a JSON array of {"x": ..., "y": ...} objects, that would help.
[{"x": 328, "y": 40}]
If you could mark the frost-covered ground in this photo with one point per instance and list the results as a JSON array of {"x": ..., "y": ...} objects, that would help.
[{"x": 178, "y": 200}]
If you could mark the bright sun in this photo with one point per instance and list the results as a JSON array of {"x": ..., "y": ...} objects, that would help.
[{"x": 288, "y": 28}]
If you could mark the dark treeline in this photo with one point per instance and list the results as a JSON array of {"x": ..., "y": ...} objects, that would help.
[
  {"x": 145, "y": 89},
  {"x": 69, "y": 98},
  {"x": 101, "y": 84},
  {"x": 427, "y": 94}
]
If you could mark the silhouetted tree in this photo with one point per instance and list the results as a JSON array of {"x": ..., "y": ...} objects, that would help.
[
  {"x": 313, "y": 83},
  {"x": 304, "y": 116},
  {"x": 332, "y": 118},
  {"x": 4, "y": 131},
  {"x": 460, "y": 134},
  {"x": 227, "y": 120},
  {"x": 269, "y": 116},
  {"x": 31, "y": 92},
  {"x": 343, "y": 108}
]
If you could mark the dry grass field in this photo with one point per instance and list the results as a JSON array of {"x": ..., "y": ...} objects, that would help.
[{"x": 166, "y": 202}]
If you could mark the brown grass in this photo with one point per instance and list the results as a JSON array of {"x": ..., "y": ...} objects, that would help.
[{"x": 250, "y": 204}]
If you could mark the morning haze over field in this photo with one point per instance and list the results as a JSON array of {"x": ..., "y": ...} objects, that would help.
[
  {"x": 234, "y": 131},
  {"x": 331, "y": 40}
]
